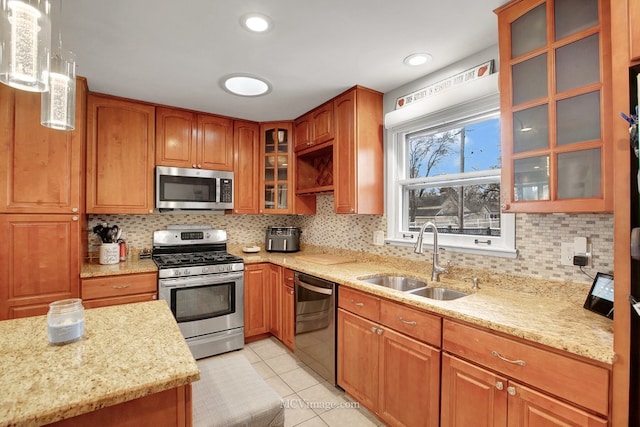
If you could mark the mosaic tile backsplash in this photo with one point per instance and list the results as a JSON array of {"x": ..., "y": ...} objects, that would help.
[{"x": 538, "y": 237}]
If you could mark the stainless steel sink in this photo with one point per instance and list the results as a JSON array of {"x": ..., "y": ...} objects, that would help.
[
  {"x": 400, "y": 283},
  {"x": 443, "y": 294}
]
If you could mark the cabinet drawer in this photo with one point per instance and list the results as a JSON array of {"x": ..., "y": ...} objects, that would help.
[
  {"x": 113, "y": 286},
  {"x": 582, "y": 383},
  {"x": 360, "y": 303},
  {"x": 125, "y": 299},
  {"x": 417, "y": 324}
]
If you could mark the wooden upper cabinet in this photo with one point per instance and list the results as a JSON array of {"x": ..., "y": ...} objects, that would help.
[
  {"x": 634, "y": 29},
  {"x": 41, "y": 169},
  {"x": 120, "y": 155},
  {"x": 246, "y": 141},
  {"x": 315, "y": 127},
  {"x": 358, "y": 152},
  {"x": 175, "y": 137},
  {"x": 277, "y": 172},
  {"x": 190, "y": 140},
  {"x": 39, "y": 262},
  {"x": 302, "y": 132},
  {"x": 215, "y": 143},
  {"x": 555, "y": 103}
]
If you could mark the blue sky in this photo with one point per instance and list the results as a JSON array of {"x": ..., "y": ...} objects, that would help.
[{"x": 482, "y": 149}]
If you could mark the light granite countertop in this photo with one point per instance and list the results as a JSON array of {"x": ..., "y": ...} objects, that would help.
[
  {"x": 550, "y": 314},
  {"x": 128, "y": 351},
  {"x": 92, "y": 268},
  {"x": 544, "y": 312}
]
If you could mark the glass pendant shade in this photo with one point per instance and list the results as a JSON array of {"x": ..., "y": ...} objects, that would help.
[
  {"x": 58, "y": 104},
  {"x": 25, "y": 44}
]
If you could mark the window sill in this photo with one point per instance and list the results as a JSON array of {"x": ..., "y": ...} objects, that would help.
[{"x": 495, "y": 251}]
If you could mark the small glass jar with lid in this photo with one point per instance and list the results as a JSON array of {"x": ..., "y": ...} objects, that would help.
[{"x": 65, "y": 321}]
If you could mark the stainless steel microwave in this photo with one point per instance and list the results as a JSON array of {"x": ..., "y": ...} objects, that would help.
[{"x": 183, "y": 188}]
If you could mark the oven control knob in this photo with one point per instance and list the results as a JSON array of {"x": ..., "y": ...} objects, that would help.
[
  {"x": 205, "y": 269},
  {"x": 176, "y": 272},
  {"x": 187, "y": 271}
]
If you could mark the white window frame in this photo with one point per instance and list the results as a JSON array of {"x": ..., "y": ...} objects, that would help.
[{"x": 397, "y": 181}]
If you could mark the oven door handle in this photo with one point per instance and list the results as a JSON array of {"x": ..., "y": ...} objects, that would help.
[{"x": 313, "y": 288}]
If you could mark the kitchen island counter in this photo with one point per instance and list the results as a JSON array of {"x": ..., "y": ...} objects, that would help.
[{"x": 128, "y": 352}]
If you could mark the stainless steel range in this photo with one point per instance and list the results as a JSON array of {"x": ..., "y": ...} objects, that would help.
[{"x": 203, "y": 285}]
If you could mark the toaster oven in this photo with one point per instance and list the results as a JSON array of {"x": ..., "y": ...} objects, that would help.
[{"x": 282, "y": 239}]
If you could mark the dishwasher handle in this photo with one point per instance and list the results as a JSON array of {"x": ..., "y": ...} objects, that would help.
[{"x": 312, "y": 288}]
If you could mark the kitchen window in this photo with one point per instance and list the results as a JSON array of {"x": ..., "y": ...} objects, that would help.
[{"x": 448, "y": 172}]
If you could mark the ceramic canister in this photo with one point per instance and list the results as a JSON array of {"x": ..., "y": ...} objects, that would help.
[{"x": 109, "y": 253}]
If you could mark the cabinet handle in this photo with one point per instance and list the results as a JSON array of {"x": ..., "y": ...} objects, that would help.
[
  {"x": 121, "y": 286},
  {"x": 359, "y": 304},
  {"x": 407, "y": 322},
  {"x": 511, "y": 391},
  {"x": 501, "y": 357},
  {"x": 499, "y": 385}
]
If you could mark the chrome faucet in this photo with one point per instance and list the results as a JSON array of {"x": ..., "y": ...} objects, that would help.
[{"x": 436, "y": 269}]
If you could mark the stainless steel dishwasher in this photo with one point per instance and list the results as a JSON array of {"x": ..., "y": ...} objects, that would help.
[{"x": 315, "y": 333}]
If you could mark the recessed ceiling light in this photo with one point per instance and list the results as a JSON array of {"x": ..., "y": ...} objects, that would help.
[
  {"x": 245, "y": 85},
  {"x": 417, "y": 59},
  {"x": 256, "y": 22}
]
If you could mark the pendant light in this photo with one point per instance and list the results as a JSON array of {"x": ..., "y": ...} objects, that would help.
[
  {"x": 58, "y": 104},
  {"x": 25, "y": 44}
]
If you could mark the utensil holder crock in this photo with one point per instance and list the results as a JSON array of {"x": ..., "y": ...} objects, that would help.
[{"x": 109, "y": 253}]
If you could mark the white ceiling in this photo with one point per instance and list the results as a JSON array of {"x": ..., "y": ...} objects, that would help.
[{"x": 175, "y": 52}]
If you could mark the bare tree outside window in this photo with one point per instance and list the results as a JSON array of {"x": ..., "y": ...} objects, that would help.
[{"x": 469, "y": 209}]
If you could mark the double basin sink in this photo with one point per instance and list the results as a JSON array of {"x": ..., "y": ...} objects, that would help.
[{"x": 415, "y": 287}]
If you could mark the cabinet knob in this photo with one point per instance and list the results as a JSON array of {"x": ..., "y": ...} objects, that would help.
[
  {"x": 150, "y": 210},
  {"x": 504, "y": 206},
  {"x": 199, "y": 166},
  {"x": 74, "y": 210},
  {"x": 74, "y": 218},
  {"x": 373, "y": 329},
  {"x": 352, "y": 210},
  {"x": 193, "y": 165},
  {"x": 511, "y": 391},
  {"x": 499, "y": 385}
]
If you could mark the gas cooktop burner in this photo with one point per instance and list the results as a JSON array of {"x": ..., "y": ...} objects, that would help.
[{"x": 194, "y": 258}]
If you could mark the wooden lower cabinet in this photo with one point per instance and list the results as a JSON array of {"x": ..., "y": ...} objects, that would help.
[
  {"x": 275, "y": 301},
  {"x": 475, "y": 396},
  {"x": 288, "y": 310},
  {"x": 494, "y": 380},
  {"x": 393, "y": 375},
  {"x": 358, "y": 360},
  {"x": 256, "y": 300},
  {"x": 120, "y": 289},
  {"x": 170, "y": 408},
  {"x": 39, "y": 262},
  {"x": 471, "y": 396}
]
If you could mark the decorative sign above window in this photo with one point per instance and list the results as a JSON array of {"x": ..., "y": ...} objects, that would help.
[{"x": 474, "y": 73}]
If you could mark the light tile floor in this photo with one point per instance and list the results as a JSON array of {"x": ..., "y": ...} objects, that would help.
[{"x": 309, "y": 400}]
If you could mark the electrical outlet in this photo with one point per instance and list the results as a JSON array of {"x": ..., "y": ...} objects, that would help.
[
  {"x": 566, "y": 254},
  {"x": 378, "y": 238}
]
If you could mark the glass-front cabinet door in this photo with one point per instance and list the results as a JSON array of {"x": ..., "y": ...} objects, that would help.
[
  {"x": 555, "y": 96},
  {"x": 276, "y": 160}
]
